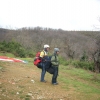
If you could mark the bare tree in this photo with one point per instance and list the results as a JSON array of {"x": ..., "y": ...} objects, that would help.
[{"x": 72, "y": 44}]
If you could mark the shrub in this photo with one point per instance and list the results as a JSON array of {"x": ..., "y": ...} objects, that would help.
[
  {"x": 15, "y": 48},
  {"x": 78, "y": 64},
  {"x": 63, "y": 61},
  {"x": 83, "y": 64}
]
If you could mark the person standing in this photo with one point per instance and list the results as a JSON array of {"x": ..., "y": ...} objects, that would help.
[
  {"x": 43, "y": 55},
  {"x": 55, "y": 65}
]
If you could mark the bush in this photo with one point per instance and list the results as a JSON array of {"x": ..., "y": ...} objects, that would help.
[
  {"x": 15, "y": 48},
  {"x": 83, "y": 64},
  {"x": 63, "y": 61},
  {"x": 84, "y": 57},
  {"x": 21, "y": 52},
  {"x": 78, "y": 64},
  {"x": 31, "y": 54}
]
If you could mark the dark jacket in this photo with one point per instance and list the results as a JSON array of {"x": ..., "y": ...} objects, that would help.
[{"x": 55, "y": 60}]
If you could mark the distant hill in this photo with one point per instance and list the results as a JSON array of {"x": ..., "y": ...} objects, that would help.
[{"x": 72, "y": 44}]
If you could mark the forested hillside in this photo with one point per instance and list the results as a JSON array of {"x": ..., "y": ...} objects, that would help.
[{"x": 72, "y": 44}]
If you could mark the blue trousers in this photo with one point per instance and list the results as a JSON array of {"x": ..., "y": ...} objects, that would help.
[
  {"x": 55, "y": 74},
  {"x": 43, "y": 72}
]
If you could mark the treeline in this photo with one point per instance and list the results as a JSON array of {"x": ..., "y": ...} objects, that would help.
[
  {"x": 76, "y": 47},
  {"x": 72, "y": 44},
  {"x": 19, "y": 51}
]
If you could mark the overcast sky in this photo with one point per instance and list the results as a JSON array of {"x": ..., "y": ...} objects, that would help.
[{"x": 63, "y": 14}]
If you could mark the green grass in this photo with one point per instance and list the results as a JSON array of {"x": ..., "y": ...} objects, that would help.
[
  {"x": 7, "y": 54},
  {"x": 81, "y": 80}
]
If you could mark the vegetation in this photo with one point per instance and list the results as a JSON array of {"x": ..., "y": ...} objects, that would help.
[
  {"x": 72, "y": 44},
  {"x": 15, "y": 48},
  {"x": 76, "y": 47},
  {"x": 21, "y": 81},
  {"x": 78, "y": 64},
  {"x": 76, "y": 71}
]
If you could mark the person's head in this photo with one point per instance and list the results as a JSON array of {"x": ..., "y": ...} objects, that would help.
[
  {"x": 46, "y": 47},
  {"x": 56, "y": 50}
]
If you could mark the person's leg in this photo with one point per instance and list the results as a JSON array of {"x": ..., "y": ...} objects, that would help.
[
  {"x": 54, "y": 77},
  {"x": 43, "y": 73},
  {"x": 56, "y": 73}
]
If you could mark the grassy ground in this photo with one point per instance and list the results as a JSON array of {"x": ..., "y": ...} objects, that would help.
[{"x": 20, "y": 81}]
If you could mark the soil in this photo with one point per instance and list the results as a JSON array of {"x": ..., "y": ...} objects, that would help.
[{"x": 20, "y": 81}]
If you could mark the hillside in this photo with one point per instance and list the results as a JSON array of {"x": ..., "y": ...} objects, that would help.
[
  {"x": 72, "y": 44},
  {"x": 20, "y": 81}
]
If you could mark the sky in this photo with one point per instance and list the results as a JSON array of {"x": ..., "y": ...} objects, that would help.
[{"x": 56, "y": 14}]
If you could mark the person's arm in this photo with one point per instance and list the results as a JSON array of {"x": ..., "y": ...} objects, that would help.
[{"x": 42, "y": 54}]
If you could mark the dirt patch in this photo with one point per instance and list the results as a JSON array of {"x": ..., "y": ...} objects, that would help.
[{"x": 22, "y": 82}]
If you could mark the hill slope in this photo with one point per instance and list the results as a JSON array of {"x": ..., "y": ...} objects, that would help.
[
  {"x": 20, "y": 81},
  {"x": 72, "y": 44}
]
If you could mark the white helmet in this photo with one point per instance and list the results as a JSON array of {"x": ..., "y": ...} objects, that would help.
[{"x": 46, "y": 46}]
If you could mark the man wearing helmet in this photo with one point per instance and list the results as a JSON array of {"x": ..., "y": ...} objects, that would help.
[
  {"x": 43, "y": 54},
  {"x": 55, "y": 65}
]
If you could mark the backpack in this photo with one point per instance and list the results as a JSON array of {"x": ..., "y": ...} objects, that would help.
[{"x": 37, "y": 59}]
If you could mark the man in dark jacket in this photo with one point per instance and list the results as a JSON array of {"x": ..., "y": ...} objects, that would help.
[{"x": 55, "y": 65}]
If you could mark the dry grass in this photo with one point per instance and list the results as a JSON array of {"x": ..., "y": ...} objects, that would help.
[{"x": 22, "y": 82}]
